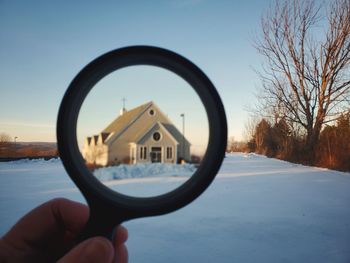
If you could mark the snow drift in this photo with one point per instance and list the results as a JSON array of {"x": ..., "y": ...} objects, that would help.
[{"x": 144, "y": 171}]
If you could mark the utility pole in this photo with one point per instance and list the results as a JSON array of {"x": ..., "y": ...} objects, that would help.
[
  {"x": 15, "y": 152},
  {"x": 183, "y": 135}
]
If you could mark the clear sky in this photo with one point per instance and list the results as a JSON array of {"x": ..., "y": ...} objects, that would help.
[{"x": 44, "y": 44}]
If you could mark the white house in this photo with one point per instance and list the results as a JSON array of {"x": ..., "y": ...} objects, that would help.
[{"x": 141, "y": 135}]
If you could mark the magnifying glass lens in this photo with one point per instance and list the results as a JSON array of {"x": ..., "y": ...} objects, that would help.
[{"x": 142, "y": 131}]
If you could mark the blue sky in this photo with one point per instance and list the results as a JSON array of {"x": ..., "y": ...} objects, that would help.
[{"x": 44, "y": 44}]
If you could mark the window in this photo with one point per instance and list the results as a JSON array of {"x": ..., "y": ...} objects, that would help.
[
  {"x": 156, "y": 136},
  {"x": 133, "y": 154},
  {"x": 169, "y": 152},
  {"x": 143, "y": 152},
  {"x": 152, "y": 112}
]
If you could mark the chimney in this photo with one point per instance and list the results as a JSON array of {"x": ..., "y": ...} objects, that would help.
[{"x": 122, "y": 111}]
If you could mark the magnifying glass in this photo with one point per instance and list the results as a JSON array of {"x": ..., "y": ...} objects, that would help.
[{"x": 142, "y": 132}]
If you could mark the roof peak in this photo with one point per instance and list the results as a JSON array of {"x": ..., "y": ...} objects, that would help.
[{"x": 128, "y": 117}]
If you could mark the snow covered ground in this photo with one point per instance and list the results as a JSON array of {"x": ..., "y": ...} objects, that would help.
[
  {"x": 167, "y": 176},
  {"x": 257, "y": 210}
]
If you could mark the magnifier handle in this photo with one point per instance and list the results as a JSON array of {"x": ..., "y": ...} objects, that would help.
[{"x": 95, "y": 227}]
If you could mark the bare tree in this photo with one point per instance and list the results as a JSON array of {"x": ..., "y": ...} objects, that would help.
[
  {"x": 230, "y": 144},
  {"x": 249, "y": 128},
  {"x": 4, "y": 138},
  {"x": 5, "y": 141},
  {"x": 306, "y": 77}
]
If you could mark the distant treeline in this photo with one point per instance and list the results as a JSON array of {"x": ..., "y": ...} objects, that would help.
[
  {"x": 18, "y": 150},
  {"x": 278, "y": 140}
]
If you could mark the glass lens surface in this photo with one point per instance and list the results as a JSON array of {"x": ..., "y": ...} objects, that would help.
[{"x": 142, "y": 131}]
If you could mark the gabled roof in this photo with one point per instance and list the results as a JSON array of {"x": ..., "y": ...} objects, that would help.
[
  {"x": 149, "y": 129},
  {"x": 130, "y": 127},
  {"x": 175, "y": 132},
  {"x": 123, "y": 121},
  {"x": 104, "y": 135}
]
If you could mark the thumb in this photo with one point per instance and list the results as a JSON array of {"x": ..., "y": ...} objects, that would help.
[{"x": 96, "y": 249}]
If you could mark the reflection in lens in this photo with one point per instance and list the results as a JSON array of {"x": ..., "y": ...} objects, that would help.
[{"x": 158, "y": 141}]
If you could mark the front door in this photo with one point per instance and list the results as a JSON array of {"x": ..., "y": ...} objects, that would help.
[{"x": 156, "y": 154}]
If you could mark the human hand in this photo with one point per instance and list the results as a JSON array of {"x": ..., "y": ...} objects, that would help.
[{"x": 48, "y": 231}]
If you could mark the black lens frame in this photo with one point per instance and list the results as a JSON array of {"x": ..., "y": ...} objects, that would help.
[{"x": 106, "y": 206}]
